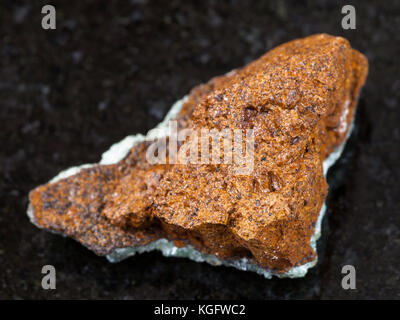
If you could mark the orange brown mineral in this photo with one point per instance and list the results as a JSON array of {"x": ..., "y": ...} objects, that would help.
[{"x": 299, "y": 100}]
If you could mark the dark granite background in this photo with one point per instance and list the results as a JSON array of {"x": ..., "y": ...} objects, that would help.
[{"x": 113, "y": 68}]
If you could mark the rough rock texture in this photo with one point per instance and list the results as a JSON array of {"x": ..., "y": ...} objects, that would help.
[
  {"x": 299, "y": 99},
  {"x": 114, "y": 67}
]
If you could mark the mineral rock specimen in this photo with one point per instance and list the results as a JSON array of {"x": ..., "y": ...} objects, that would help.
[{"x": 299, "y": 100}]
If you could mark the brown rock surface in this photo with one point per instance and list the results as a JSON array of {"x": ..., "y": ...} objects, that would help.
[{"x": 299, "y": 99}]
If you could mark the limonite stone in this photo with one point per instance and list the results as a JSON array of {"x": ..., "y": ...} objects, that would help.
[{"x": 298, "y": 99}]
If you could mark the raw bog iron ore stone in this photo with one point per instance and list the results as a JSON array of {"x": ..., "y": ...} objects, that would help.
[{"x": 299, "y": 99}]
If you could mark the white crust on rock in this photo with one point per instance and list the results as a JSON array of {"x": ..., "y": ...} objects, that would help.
[{"x": 119, "y": 151}]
